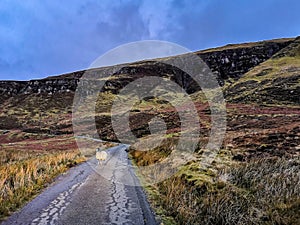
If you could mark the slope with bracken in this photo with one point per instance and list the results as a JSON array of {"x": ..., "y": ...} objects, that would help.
[
  {"x": 254, "y": 179},
  {"x": 263, "y": 105},
  {"x": 45, "y": 105},
  {"x": 261, "y": 85}
]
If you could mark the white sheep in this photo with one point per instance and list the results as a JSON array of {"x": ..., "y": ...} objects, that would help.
[{"x": 101, "y": 155}]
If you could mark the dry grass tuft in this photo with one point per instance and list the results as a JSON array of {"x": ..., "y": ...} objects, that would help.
[
  {"x": 23, "y": 175},
  {"x": 259, "y": 192}
]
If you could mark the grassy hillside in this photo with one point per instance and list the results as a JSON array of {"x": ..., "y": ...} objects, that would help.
[
  {"x": 254, "y": 178},
  {"x": 274, "y": 82},
  {"x": 259, "y": 154}
]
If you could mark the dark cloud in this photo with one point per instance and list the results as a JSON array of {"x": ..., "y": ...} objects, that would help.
[{"x": 40, "y": 38}]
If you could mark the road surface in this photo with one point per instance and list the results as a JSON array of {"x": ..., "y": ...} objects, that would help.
[{"x": 82, "y": 196}]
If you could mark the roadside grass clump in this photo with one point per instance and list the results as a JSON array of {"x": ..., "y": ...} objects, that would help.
[
  {"x": 265, "y": 191},
  {"x": 24, "y": 177},
  {"x": 145, "y": 158},
  {"x": 274, "y": 185}
]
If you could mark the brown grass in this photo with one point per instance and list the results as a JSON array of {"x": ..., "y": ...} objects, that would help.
[
  {"x": 23, "y": 174},
  {"x": 265, "y": 191}
]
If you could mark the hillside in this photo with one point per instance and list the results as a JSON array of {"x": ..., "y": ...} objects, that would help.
[
  {"x": 252, "y": 180},
  {"x": 275, "y": 81},
  {"x": 46, "y": 104}
]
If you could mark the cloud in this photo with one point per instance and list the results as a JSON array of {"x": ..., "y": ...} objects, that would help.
[
  {"x": 155, "y": 14},
  {"x": 217, "y": 23},
  {"x": 41, "y": 38},
  {"x": 59, "y": 37}
]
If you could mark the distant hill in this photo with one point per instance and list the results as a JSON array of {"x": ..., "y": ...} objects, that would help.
[
  {"x": 231, "y": 61},
  {"x": 275, "y": 81},
  {"x": 259, "y": 72}
]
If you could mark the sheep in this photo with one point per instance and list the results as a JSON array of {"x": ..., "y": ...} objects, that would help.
[{"x": 101, "y": 155}]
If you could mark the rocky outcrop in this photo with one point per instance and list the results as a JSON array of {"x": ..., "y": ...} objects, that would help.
[
  {"x": 274, "y": 82},
  {"x": 11, "y": 87},
  {"x": 227, "y": 62},
  {"x": 49, "y": 86},
  {"x": 234, "y": 62}
]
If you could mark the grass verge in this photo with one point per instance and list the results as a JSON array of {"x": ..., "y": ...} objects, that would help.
[
  {"x": 21, "y": 180},
  {"x": 264, "y": 191}
]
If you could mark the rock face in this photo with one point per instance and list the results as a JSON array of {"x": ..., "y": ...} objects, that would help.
[
  {"x": 11, "y": 87},
  {"x": 50, "y": 86},
  {"x": 234, "y": 62},
  {"x": 275, "y": 81},
  {"x": 228, "y": 62}
]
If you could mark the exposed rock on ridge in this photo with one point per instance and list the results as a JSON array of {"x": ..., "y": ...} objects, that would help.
[{"x": 229, "y": 62}]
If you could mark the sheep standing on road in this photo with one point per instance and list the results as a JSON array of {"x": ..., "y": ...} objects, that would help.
[{"x": 101, "y": 155}]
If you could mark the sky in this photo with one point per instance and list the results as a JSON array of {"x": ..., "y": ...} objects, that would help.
[{"x": 39, "y": 38}]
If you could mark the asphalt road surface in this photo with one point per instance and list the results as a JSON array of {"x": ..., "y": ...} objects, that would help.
[{"x": 82, "y": 196}]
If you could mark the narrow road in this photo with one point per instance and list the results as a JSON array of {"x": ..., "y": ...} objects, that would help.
[{"x": 82, "y": 196}]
